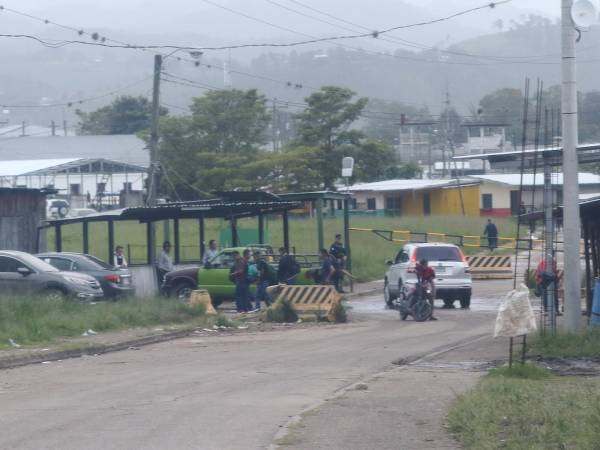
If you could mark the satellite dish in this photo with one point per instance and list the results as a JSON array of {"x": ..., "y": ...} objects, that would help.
[
  {"x": 584, "y": 14},
  {"x": 347, "y": 166}
]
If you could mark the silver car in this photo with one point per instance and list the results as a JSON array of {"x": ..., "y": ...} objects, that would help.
[
  {"x": 453, "y": 278},
  {"x": 24, "y": 274}
]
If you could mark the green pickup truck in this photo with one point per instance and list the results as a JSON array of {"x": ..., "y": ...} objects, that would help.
[{"x": 214, "y": 277}]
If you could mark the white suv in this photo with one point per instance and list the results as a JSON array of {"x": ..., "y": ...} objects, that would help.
[{"x": 453, "y": 278}]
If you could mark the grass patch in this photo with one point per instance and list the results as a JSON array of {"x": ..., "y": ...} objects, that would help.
[
  {"x": 528, "y": 409},
  {"x": 522, "y": 371},
  {"x": 223, "y": 321},
  {"x": 369, "y": 252},
  {"x": 31, "y": 321},
  {"x": 582, "y": 345}
]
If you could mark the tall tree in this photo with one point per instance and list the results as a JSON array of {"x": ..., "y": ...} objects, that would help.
[
  {"x": 125, "y": 115},
  {"x": 230, "y": 121}
]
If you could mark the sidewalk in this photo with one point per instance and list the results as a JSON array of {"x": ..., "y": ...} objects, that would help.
[{"x": 403, "y": 408}]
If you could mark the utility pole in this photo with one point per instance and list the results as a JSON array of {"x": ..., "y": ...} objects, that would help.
[
  {"x": 53, "y": 125},
  {"x": 274, "y": 127},
  {"x": 572, "y": 274},
  {"x": 153, "y": 173}
]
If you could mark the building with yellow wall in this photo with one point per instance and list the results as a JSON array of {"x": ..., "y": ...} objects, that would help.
[{"x": 418, "y": 197}]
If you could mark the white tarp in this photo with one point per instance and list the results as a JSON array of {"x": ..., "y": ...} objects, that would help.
[{"x": 515, "y": 314}]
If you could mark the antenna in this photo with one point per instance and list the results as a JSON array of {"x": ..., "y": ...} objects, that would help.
[{"x": 584, "y": 14}]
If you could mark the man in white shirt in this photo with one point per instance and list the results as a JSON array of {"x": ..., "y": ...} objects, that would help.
[
  {"x": 119, "y": 260},
  {"x": 165, "y": 264},
  {"x": 210, "y": 253}
]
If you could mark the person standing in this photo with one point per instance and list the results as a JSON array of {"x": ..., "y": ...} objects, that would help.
[
  {"x": 239, "y": 275},
  {"x": 288, "y": 268},
  {"x": 327, "y": 269},
  {"x": 338, "y": 252},
  {"x": 119, "y": 258},
  {"x": 165, "y": 264},
  {"x": 265, "y": 278},
  {"x": 491, "y": 231},
  {"x": 210, "y": 254}
]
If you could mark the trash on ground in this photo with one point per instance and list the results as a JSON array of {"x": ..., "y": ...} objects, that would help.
[{"x": 13, "y": 343}]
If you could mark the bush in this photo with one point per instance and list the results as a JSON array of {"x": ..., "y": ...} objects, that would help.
[{"x": 281, "y": 312}]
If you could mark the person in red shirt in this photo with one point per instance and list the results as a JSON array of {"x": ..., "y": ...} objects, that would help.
[
  {"x": 426, "y": 274},
  {"x": 539, "y": 278}
]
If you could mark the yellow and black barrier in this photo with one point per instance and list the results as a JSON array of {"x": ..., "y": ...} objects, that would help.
[
  {"x": 202, "y": 297},
  {"x": 310, "y": 299},
  {"x": 490, "y": 267}
]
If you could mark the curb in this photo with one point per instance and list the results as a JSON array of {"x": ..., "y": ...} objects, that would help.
[
  {"x": 363, "y": 293},
  {"x": 99, "y": 349}
]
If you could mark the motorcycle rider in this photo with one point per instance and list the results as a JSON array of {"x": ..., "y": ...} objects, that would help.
[{"x": 426, "y": 274}]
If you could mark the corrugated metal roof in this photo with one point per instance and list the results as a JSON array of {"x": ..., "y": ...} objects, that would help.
[
  {"x": 406, "y": 185},
  {"x": 514, "y": 179},
  {"x": 122, "y": 148},
  {"x": 21, "y": 167}
]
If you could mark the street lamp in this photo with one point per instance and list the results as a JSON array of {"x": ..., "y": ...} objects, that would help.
[{"x": 574, "y": 17}]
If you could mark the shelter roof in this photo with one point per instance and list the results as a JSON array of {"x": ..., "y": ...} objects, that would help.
[
  {"x": 123, "y": 148},
  {"x": 485, "y": 124},
  {"x": 410, "y": 185},
  {"x": 514, "y": 179},
  {"x": 207, "y": 209},
  {"x": 23, "y": 167}
]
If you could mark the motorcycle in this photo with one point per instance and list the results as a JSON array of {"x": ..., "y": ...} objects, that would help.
[{"x": 414, "y": 301}]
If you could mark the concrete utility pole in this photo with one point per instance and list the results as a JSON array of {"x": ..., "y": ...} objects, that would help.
[
  {"x": 572, "y": 274},
  {"x": 153, "y": 173}
]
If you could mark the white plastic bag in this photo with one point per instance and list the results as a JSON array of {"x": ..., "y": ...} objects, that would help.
[{"x": 515, "y": 314}]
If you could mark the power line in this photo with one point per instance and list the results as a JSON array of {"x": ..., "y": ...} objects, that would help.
[{"x": 80, "y": 101}]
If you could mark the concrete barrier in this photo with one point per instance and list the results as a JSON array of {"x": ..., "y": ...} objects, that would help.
[
  {"x": 315, "y": 299},
  {"x": 490, "y": 267}
]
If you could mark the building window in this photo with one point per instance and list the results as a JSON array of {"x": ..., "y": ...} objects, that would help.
[
  {"x": 371, "y": 204},
  {"x": 340, "y": 205},
  {"x": 353, "y": 203},
  {"x": 75, "y": 189},
  {"x": 393, "y": 204},
  {"x": 101, "y": 188},
  {"x": 127, "y": 187},
  {"x": 486, "y": 201}
]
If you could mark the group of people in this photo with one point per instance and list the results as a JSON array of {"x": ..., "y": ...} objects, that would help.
[{"x": 250, "y": 268}]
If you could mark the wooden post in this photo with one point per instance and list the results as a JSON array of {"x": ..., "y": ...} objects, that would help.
[
  {"x": 176, "y": 241},
  {"x": 86, "y": 237},
  {"x": 111, "y": 240},
  {"x": 57, "y": 237},
  {"x": 286, "y": 231}
]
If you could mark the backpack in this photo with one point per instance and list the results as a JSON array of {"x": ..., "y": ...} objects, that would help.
[
  {"x": 271, "y": 274},
  {"x": 252, "y": 274}
]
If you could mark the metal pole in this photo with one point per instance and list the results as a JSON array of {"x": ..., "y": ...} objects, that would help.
[
  {"x": 153, "y": 147},
  {"x": 176, "y": 241},
  {"x": 549, "y": 242},
  {"x": 261, "y": 228},
  {"x": 286, "y": 231},
  {"x": 572, "y": 276},
  {"x": 201, "y": 237},
  {"x": 111, "y": 241},
  {"x": 347, "y": 234}
]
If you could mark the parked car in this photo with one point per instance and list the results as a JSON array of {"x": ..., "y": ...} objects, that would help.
[
  {"x": 115, "y": 282},
  {"x": 57, "y": 208},
  {"x": 453, "y": 278},
  {"x": 214, "y": 277},
  {"x": 25, "y": 274}
]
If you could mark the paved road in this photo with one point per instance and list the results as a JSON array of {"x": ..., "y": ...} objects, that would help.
[{"x": 211, "y": 392}]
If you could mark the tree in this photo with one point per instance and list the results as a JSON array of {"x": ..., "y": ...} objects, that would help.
[
  {"x": 329, "y": 114},
  {"x": 217, "y": 147},
  {"x": 326, "y": 124},
  {"x": 125, "y": 115},
  {"x": 230, "y": 121}
]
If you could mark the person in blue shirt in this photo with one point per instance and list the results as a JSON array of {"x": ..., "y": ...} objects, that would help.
[{"x": 327, "y": 269}]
